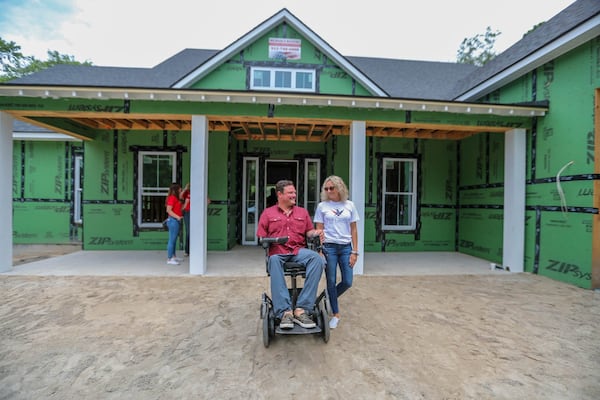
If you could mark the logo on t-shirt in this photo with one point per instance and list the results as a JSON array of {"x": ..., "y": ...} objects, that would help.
[{"x": 338, "y": 211}]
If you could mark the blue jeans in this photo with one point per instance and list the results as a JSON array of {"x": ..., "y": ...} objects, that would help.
[
  {"x": 173, "y": 225},
  {"x": 337, "y": 254},
  {"x": 186, "y": 220},
  {"x": 279, "y": 290}
]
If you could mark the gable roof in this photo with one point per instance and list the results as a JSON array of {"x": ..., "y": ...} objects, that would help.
[
  {"x": 283, "y": 16},
  {"x": 575, "y": 25}
]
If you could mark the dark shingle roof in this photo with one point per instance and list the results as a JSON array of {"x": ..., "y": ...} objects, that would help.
[
  {"x": 413, "y": 79},
  {"x": 77, "y": 75},
  {"x": 162, "y": 75}
]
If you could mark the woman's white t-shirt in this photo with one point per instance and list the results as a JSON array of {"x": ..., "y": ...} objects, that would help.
[{"x": 336, "y": 217}]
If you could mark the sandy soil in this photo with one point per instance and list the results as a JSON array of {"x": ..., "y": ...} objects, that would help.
[{"x": 439, "y": 337}]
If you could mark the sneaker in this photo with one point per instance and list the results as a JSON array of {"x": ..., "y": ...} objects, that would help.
[
  {"x": 304, "y": 321},
  {"x": 178, "y": 259},
  {"x": 286, "y": 321},
  {"x": 333, "y": 322},
  {"x": 172, "y": 261}
]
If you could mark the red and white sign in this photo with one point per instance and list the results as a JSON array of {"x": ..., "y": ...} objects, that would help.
[{"x": 283, "y": 48}]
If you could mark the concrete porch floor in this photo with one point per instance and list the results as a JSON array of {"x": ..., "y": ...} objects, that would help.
[{"x": 241, "y": 261}]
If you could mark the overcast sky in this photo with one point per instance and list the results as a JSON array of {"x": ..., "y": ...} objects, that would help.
[{"x": 142, "y": 33}]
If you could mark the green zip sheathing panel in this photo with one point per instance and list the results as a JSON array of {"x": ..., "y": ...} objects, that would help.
[
  {"x": 108, "y": 209},
  {"x": 221, "y": 227},
  {"x": 558, "y": 244},
  {"x": 41, "y": 223},
  {"x": 436, "y": 193},
  {"x": 232, "y": 75},
  {"x": 42, "y": 193},
  {"x": 481, "y": 196}
]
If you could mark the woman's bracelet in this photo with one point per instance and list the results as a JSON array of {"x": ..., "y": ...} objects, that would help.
[{"x": 354, "y": 252}]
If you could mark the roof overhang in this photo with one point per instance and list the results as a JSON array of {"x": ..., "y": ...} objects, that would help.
[
  {"x": 296, "y": 99},
  {"x": 567, "y": 42},
  {"x": 44, "y": 136}
]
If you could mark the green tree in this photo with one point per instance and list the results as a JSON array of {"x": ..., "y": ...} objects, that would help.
[
  {"x": 14, "y": 64},
  {"x": 479, "y": 49}
]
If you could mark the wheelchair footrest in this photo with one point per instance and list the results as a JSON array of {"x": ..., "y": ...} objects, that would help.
[{"x": 298, "y": 330}]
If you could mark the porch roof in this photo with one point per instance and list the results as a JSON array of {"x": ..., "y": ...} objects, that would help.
[{"x": 260, "y": 127}]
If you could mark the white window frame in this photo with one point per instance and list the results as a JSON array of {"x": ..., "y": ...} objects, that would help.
[
  {"x": 412, "y": 194},
  {"x": 273, "y": 72},
  {"x": 158, "y": 191}
]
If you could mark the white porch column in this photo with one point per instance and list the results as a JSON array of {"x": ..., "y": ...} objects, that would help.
[
  {"x": 199, "y": 188},
  {"x": 513, "y": 253},
  {"x": 357, "y": 184},
  {"x": 6, "y": 206}
]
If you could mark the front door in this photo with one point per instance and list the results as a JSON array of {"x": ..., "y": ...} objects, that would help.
[
  {"x": 254, "y": 201},
  {"x": 276, "y": 170}
]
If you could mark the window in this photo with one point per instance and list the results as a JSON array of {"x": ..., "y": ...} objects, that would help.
[
  {"x": 399, "y": 194},
  {"x": 156, "y": 173},
  {"x": 282, "y": 79}
]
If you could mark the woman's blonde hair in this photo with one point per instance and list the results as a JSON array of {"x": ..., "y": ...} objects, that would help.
[{"x": 340, "y": 186}]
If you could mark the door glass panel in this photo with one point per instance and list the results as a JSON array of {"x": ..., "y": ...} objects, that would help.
[
  {"x": 312, "y": 183},
  {"x": 249, "y": 201}
]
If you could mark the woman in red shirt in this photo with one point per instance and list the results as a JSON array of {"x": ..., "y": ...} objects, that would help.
[
  {"x": 175, "y": 214},
  {"x": 185, "y": 199}
]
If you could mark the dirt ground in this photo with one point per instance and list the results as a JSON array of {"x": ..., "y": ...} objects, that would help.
[{"x": 513, "y": 336}]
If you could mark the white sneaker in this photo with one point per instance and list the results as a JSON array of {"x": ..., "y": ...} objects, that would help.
[
  {"x": 333, "y": 322},
  {"x": 172, "y": 262}
]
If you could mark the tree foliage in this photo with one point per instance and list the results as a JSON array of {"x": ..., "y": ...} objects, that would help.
[
  {"x": 479, "y": 49},
  {"x": 14, "y": 64}
]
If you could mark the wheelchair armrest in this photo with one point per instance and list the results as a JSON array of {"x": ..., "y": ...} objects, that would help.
[{"x": 266, "y": 242}]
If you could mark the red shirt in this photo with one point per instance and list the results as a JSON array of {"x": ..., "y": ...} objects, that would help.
[
  {"x": 186, "y": 195},
  {"x": 274, "y": 223},
  {"x": 175, "y": 204}
]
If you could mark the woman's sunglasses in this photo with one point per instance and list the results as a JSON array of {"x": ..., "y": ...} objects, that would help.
[{"x": 329, "y": 188}]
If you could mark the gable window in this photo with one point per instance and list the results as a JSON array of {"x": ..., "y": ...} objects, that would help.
[
  {"x": 399, "y": 194},
  {"x": 156, "y": 172},
  {"x": 262, "y": 78}
]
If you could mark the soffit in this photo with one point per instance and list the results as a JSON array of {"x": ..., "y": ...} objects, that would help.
[{"x": 261, "y": 128}]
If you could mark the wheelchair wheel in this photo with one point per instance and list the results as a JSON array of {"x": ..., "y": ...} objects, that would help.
[
  {"x": 325, "y": 322},
  {"x": 265, "y": 330}
]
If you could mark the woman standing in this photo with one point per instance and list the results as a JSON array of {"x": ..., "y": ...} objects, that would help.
[
  {"x": 175, "y": 216},
  {"x": 185, "y": 198},
  {"x": 337, "y": 216}
]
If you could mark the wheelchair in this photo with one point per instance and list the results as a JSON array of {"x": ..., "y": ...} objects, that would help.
[{"x": 320, "y": 312}]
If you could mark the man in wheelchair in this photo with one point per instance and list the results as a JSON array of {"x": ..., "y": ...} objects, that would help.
[{"x": 287, "y": 219}]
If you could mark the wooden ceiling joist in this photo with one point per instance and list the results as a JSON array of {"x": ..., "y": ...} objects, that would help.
[{"x": 261, "y": 128}]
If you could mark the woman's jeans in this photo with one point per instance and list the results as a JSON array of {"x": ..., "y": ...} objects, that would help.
[
  {"x": 186, "y": 220},
  {"x": 173, "y": 225},
  {"x": 337, "y": 254},
  {"x": 279, "y": 290}
]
